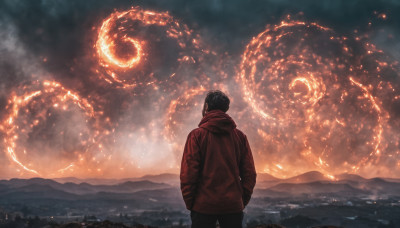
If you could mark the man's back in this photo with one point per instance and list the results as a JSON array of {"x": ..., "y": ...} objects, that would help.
[{"x": 217, "y": 170}]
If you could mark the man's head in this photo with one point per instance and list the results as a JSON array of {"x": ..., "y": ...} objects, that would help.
[{"x": 216, "y": 100}]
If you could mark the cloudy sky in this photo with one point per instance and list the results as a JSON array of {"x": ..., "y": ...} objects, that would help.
[{"x": 112, "y": 88}]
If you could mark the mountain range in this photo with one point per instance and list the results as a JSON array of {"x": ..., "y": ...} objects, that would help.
[
  {"x": 164, "y": 188},
  {"x": 167, "y": 178}
]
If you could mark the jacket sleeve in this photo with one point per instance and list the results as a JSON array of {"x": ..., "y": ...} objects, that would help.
[
  {"x": 247, "y": 173},
  {"x": 190, "y": 168}
]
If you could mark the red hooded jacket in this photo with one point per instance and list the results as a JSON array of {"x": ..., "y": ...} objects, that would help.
[{"x": 217, "y": 170}]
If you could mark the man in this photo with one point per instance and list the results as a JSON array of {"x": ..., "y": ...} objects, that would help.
[{"x": 217, "y": 170}]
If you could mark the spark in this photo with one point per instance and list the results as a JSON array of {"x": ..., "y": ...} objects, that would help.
[
  {"x": 50, "y": 94},
  {"x": 14, "y": 158},
  {"x": 123, "y": 27},
  {"x": 330, "y": 177},
  {"x": 66, "y": 168},
  {"x": 312, "y": 102}
]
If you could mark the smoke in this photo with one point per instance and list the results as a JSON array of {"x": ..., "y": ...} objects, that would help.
[{"x": 17, "y": 65}]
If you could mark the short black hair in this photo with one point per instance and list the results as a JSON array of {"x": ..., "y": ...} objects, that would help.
[{"x": 217, "y": 100}]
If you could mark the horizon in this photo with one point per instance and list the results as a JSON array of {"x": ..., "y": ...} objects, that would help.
[{"x": 328, "y": 177}]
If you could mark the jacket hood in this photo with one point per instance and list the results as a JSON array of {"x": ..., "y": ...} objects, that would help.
[{"x": 217, "y": 121}]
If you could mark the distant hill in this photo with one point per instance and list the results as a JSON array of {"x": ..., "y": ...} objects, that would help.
[
  {"x": 92, "y": 181},
  {"x": 167, "y": 178},
  {"x": 266, "y": 177},
  {"x": 314, "y": 188},
  {"x": 353, "y": 186},
  {"x": 310, "y": 183},
  {"x": 146, "y": 194},
  {"x": 16, "y": 182},
  {"x": 349, "y": 176},
  {"x": 82, "y": 188},
  {"x": 33, "y": 192},
  {"x": 396, "y": 180},
  {"x": 370, "y": 188},
  {"x": 263, "y": 179},
  {"x": 312, "y": 176},
  {"x": 314, "y": 183}
]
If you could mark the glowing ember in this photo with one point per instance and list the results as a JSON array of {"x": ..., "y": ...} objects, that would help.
[
  {"x": 177, "y": 121},
  {"x": 31, "y": 111},
  {"x": 128, "y": 56},
  {"x": 305, "y": 85}
]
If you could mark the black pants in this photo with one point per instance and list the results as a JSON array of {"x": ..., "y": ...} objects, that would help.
[{"x": 200, "y": 220}]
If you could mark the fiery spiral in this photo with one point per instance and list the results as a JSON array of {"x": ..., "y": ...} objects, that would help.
[
  {"x": 131, "y": 47},
  {"x": 316, "y": 95},
  {"x": 33, "y": 124}
]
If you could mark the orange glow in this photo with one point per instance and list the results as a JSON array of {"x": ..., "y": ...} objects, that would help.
[
  {"x": 176, "y": 120},
  {"x": 117, "y": 30},
  {"x": 382, "y": 16},
  {"x": 306, "y": 97},
  {"x": 330, "y": 177},
  {"x": 311, "y": 102},
  {"x": 50, "y": 91},
  {"x": 106, "y": 48}
]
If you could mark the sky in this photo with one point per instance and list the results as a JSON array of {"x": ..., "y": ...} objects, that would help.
[{"x": 111, "y": 89}]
